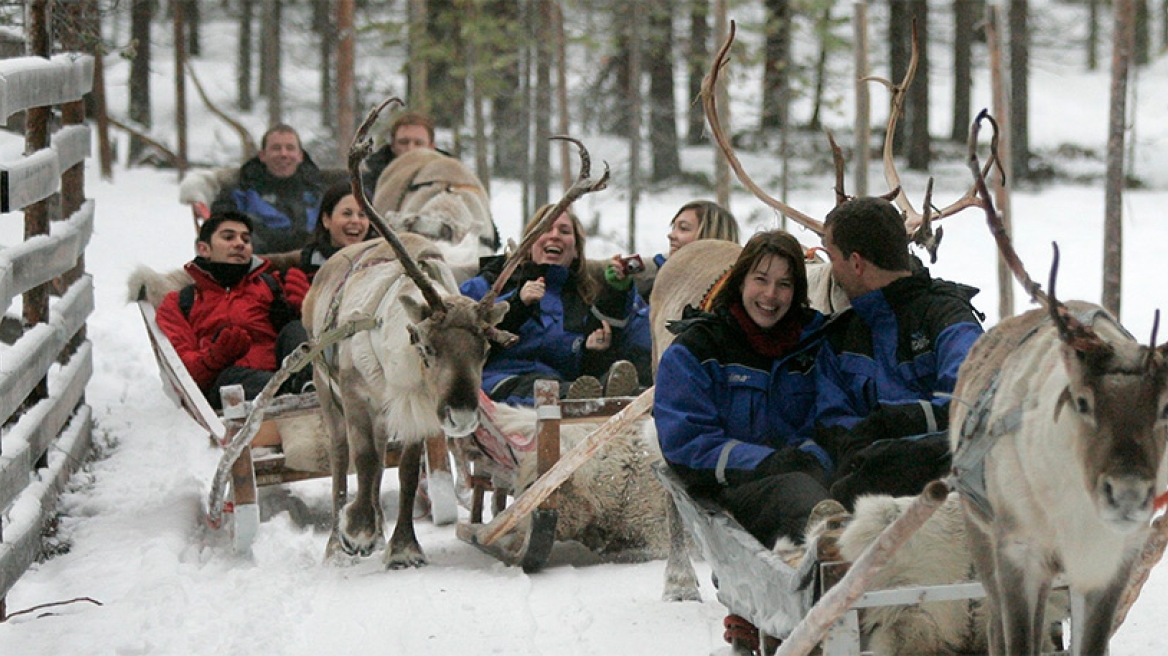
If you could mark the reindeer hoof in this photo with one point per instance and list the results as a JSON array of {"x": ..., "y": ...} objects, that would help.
[{"x": 403, "y": 558}]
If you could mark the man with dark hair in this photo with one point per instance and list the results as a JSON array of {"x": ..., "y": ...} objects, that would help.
[
  {"x": 279, "y": 189},
  {"x": 235, "y": 323},
  {"x": 409, "y": 131},
  {"x": 889, "y": 362}
]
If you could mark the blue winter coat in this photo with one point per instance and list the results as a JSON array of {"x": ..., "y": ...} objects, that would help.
[
  {"x": 552, "y": 332},
  {"x": 719, "y": 405}
]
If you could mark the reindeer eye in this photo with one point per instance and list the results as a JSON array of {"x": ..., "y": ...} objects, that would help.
[
  {"x": 1164, "y": 412},
  {"x": 1082, "y": 405}
]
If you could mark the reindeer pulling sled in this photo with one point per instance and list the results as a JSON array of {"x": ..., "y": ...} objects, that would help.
[{"x": 895, "y": 576}]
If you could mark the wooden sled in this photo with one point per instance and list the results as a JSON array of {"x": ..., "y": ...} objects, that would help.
[
  {"x": 262, "y": 462},
  {"x": 758, "y": 585},
  {"x": 524, "y": 532}
]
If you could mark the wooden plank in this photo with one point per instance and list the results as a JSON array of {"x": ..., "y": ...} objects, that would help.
[
  {"x": 37, "y": 82},
  {"x": 72, "y": 145},
  {"x": 20, "y": 549},
  {"x": 39, "y": 260},
  {"x": 29, "y": 179},
  {"x": 589, "y": 410},
  {"x": 42, "y": 423},
  {"x": 37, "y": 350}
]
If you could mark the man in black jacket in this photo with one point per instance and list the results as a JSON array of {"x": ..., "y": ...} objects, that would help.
[{"x": 280, "y": 190}]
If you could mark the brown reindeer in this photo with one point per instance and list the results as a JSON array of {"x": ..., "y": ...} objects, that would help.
[{"x": 1059, "y": 447}]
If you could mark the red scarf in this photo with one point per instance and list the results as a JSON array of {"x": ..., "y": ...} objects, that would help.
[{"x": 776, "y": 341}]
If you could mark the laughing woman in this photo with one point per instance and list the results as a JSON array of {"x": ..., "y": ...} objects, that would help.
[
  {"x": 735, "y": 398},
  {"x": 567, "y": 322},
  {"x": 342, "y": 223}
]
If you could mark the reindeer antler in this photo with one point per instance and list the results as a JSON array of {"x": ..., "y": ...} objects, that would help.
[
  {"x": 1073, "y": 332},
  {"x": 710, "y": 104},
  {"x": 583, "y": 185},
  {"x": 362, "y": 146},
  {"x": 915, "y": 221}
]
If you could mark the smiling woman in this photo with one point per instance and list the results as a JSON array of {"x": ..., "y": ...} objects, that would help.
[
  {"x": 569, "y": 325},
  {"x": 342, "y": 223}
]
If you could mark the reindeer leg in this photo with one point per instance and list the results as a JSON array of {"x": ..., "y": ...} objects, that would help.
[
  {"x": 981, "y": 551},
  {"x": 362, "y": 525},
  {"x": 1101, "y": 604},
  {"x": 338, "y": 465},
  {"x": 404, "y": 550},
  {"x": 681, "y": 582},
  {"x": 1024, "y": 585}
]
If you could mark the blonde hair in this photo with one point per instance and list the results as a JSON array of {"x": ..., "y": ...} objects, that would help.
[
  {"x": 714, "y": 221},
  {"x": 585, "y": 284}
]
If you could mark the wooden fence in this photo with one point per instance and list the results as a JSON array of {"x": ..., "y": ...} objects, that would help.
[{"x": 46, "y": 424}]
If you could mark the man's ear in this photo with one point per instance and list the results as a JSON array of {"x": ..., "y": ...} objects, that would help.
[{"x": 203, "y": 249}]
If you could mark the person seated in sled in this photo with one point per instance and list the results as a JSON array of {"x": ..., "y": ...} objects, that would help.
[
  {"x": 734, "y": 403},
  {"x": 409, "y": 131},
  {"x": 696, "y": 220},
  {"x": 237, "y": 321},
  {"x": 566, "y": 320},
  {"x": 342, "y": 223},
  {"x": 890, "y": 361},
  {"x": 279, "y": 189}
]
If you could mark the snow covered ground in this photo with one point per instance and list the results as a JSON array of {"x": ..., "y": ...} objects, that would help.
[{"x": 166, "y": 586}]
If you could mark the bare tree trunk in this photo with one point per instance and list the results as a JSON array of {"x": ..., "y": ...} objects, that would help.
[
  {"x": 419, "y": 95},
  {"x": 1164, "y": 25},
  {"x": 919, "y": 141},
  {"x": 541, "y": 174},
  {"x": 1001, "y": 184},
  {"x": 964, "y": 20},
  {"x": 1142, "y": 44},
  {"x": 528, "y": 20},
  {"x": 474, "y": 55},
  {"x": 322, "y": 23},
  {"x": 1093, "y": 35},
  {"x": 662, "y": 109},
  {"x": 820, "y": 67},
  {"x": 1113, "y": 200},
  {"x": 507, "y": 106},
  {"x": 180, "y": 87},
  {"x": 699, "y": 55},
  {"x": 446, "y": 84},
  {"x": 863, "y": 106},
  {"x": 105, "y": 151},
  {"x": 271, "y": 62},
  {"x": 899, "y": 51},
  {"x": 776, "y": 71},
  {"x": 346, "y": 89},
  {"x": 141, "y": 13},
  {"x": 721, "y": 166},
  {"x": 564, "y": 126},
  {"x": 243, "y": 57},
  {"x": 1020, "y": 88},
  {"x": 634, "y": 92},
  {"x": 192, "y": 19}
]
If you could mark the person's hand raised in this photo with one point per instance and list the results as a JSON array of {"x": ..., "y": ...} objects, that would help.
[
  {"x": 532, "y": 291},
  {"x": 600, "y": 339}
]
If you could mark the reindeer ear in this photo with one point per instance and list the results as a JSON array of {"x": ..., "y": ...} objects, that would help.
[
  {"x": 417, "y": 312},
  {"x": 494, "y": 314},
  {"x": 415, "y": 336}
]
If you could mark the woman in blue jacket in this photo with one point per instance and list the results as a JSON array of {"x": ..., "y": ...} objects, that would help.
[
  {"x": 567, "y": 322},
  {"x": 735, "y": 397}
]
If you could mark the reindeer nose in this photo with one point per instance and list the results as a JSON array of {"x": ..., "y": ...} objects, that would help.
[
  {"x": 460, "y": 422},
  {"x": 1126, "y": 499}
]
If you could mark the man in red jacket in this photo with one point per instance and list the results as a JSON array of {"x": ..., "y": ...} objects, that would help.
[{"x": 235, "y": 323}]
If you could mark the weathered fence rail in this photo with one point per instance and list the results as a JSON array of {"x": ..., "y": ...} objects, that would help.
[{"x": 45, "y": 368}]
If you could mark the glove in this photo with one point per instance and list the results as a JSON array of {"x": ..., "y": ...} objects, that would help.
[
  {"x": 295, "y": 287},
  {"x": 899, "y": 467},
  {"x": 790, "y": 459},
  {"x": 616, "y": 279},
  {"x": 230, "y": 345}
]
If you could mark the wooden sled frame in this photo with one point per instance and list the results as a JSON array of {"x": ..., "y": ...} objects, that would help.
[
  {"x": 523, "y": 534},
  {"x": 261, "y": 463},
  {"x": 756, "y": 584}
]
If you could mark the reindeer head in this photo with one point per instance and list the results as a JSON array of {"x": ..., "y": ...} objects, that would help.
[{"x": 453, "y": 344}]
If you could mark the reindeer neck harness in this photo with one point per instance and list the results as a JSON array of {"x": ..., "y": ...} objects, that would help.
[{"x": 979, "y": 435}]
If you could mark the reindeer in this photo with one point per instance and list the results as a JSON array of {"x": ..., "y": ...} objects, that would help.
[
  {"x": 437, "y": 196},
  {"x": 1058, "y": 452},
  {"x": 694, "y": 270},
  {"x": 415, "y": 375}
]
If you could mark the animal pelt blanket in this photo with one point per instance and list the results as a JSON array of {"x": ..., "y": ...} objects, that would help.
[
  {"x": 612, "y": 504},
  {"x": 936, "y": 554},
  {"x": 303, "y": 438}
]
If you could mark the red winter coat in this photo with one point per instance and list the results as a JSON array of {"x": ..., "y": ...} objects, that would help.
[{"x": 215, "y": 307}]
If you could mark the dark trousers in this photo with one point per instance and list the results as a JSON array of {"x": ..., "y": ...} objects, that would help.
[
  {"x": 253, "y": 381},
  {"x": 774, "y": 507}
]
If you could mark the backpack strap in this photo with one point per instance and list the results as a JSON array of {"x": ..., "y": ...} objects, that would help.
[
  {"x": 186, "y": 300},
  {"x": 279, "y": 313}
]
